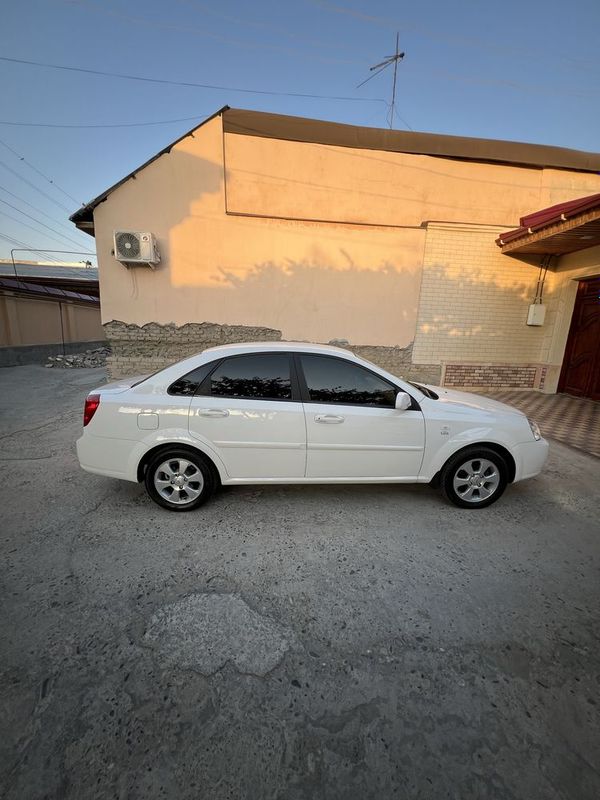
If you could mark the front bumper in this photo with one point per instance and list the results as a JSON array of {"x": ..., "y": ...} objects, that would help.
[{"x": 530, "y": 458}]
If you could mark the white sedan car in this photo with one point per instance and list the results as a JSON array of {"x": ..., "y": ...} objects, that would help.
[{"x": 301, "y": 413}]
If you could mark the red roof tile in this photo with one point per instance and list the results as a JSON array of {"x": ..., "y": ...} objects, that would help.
[{"x": 548, "y": 216}]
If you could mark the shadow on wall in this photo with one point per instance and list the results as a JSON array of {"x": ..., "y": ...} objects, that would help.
[
  {"x": 476, "y": 314},
  {"x": 310, "y": 280},
  {"x": 311, "y": 300}
]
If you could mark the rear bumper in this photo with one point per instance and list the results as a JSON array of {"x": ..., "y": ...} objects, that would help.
[
  {"x": 102, "y": 456},
  {"x": 530, "y": 458}
]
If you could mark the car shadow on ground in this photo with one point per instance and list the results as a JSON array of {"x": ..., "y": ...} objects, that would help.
[{"x": 296, "y": 496}]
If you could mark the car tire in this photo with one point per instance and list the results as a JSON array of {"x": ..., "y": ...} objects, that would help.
[
  {"x": 474, "y": 478},
  {"x": 179, "y": 479}
]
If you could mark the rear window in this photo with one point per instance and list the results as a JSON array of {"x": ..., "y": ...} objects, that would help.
[{"x": 189, "y": 384}]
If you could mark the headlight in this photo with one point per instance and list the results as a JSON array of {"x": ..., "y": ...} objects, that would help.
[{"x": 535, "y": 429}]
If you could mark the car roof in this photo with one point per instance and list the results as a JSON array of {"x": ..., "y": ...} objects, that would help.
[
  {"x": 269, "y": 347},
  {"x": 165, "y": 376}
]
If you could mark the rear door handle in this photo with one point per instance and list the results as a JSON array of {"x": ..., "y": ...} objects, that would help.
[
  {"x": 328, "y": 419},
  {"x": 213, "y": 412}
]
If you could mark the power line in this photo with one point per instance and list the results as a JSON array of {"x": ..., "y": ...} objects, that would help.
[
  {"x": 39, "y": 210},
  {"x": 33, "y": 186},
  {"x": 25, "y": 246},
  {"x": 265, "y": 26},
  {"x": 39, "y": 172},
  {"x": 66, "y": 238},
  {"x": 203, "y": 32},
  {"x": 101, "y": 125},
  {"x": 31, "y": 228},
  {"x": 190, "y": 84},
  {"x": 458, "y": 41}
]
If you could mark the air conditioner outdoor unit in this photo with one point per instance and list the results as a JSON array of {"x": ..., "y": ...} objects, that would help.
[{"x": 135, "y": 247}]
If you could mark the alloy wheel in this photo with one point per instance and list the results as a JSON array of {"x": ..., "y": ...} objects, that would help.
[
  {"x": 178, "y": 481},
  {"x": 476, "y": 480}
]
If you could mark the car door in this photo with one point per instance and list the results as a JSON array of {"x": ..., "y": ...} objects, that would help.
[
  {"x": 249, "y": 410},
  {"x": 353, "y": 428}
]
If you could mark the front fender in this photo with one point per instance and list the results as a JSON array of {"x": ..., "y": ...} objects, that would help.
[
  {"x": 164, "y": 436},
  {"x": 436, "y": 456}
]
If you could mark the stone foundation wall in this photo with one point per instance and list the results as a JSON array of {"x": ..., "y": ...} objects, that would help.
[
  {"x": 398, "y": 361},
  {"x": 139, "y": 350},
  {"x": 495, "y": 376}
]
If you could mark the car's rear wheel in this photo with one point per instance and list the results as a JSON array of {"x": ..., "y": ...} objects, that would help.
[
  {"x": 474, "y": 478},
  {"x": 179, "y": 480}
]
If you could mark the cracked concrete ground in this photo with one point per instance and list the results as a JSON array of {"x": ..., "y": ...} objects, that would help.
[{"x": 389, "y": 645}]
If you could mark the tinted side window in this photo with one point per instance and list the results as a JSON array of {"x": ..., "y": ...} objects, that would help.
[
  {"x": 254, "y": 376},
  {"x": 331, "y": 380},
  {"x": 189, "y": 384}
]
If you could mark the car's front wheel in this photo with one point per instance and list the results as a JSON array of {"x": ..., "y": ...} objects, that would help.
[
  {"x": 179, "y": 480},
  {"x": 474, "y": 478}
]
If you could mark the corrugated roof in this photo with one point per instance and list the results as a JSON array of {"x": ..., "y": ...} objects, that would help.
[
  {"x": 538, "y": 220},
  {"x": 278, "y": 126},
  {"x": 45, "y": 271},
  {"x": 46, "y": 292}
]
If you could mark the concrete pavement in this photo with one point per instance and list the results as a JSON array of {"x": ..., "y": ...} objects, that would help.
[{"x": 289, "y": 642}]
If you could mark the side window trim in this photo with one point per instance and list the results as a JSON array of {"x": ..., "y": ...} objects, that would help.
[
  {"x": 204, "y": 390},
  {"x": 201, "y": 391},
  {"x": 305, "y": 394},
  {"x": 211, "y": 365}
]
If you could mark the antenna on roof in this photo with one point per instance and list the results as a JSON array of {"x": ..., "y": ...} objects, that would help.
[{"x": 378, "y": 68}]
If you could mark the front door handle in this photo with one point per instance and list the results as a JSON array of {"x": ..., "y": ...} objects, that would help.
[
  {"x": 213, "y": 412},
  {"x": 328, "y": 419}
]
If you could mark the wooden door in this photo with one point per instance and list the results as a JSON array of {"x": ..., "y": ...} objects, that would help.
[{"x": 580, "y": 374}]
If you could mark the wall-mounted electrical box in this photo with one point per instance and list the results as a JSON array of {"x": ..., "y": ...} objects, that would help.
[{"x": 537, "y": 314}]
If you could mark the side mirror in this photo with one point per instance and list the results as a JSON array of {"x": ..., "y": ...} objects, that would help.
[{"x": 403, "y": 401}]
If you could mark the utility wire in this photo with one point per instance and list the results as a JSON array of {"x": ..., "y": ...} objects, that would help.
[
  {"x": 39, "y": 211},
  {"x": 457, "y": 41},
  {"x": 264, "y": 26},
  {"x": 103, "y": 125},
  {"x": 66, "y": 238},
  {"x": 37, "y": 189},
  {"x": 39, "y": 172},
  {"x": 25, "y": 246},
  {"x": 31, "y": 228},
  {"x": 205, "y": 33},
  {"x": 370, "y": 78},
  {"x": 189, "y": 83}
]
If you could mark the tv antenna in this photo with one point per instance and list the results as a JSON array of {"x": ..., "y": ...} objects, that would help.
[{"x": 378, "y": 68}]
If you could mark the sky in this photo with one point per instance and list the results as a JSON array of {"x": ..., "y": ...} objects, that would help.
[{"x": 524, "y": 71}]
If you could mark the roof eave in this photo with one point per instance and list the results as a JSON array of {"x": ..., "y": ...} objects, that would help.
[
  {"x": 558, "y": 238},
  {"x": 301, "y": 129},
  {"x": 83, "y": 218}
]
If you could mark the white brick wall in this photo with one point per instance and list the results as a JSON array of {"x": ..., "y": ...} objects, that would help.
[{"x": 474, "y": 301}]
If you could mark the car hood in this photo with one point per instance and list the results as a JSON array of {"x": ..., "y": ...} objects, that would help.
[{"x": 472, "y": 401}]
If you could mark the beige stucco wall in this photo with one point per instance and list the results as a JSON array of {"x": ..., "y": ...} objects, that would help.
[
  {"x": 319, "y": 242},
  {"x": 27, "y": 321},
  {"x": 304, "y": 180},
  {"x": 308, "y": 280}
]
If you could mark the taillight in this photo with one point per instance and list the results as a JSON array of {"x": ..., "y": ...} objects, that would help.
[{"x": 92, "y": 401}]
